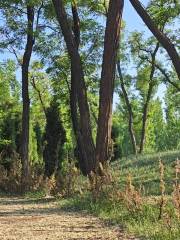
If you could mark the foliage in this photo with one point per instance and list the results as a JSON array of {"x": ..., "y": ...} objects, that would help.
[
  {"x": 54, "y": 139},
  {"x": 139, "y": 215},
  {"x": 121, "y": 195}
]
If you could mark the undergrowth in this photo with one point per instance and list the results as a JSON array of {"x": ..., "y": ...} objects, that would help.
[
  {"x": 141, "y": 194},
  {"x": 143, "y": 223},
  {"x": 121, "y": 199}
]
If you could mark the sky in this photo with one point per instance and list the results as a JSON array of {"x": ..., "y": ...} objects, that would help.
[
  {"x": 132, "y": 19},
  {"x": 133, "y": 22}
]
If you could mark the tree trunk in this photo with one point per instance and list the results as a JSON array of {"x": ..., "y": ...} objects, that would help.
[
  {"x": 25, "y": 98},
  {"x": 85, "y": 139},
  {"x": 144, "y": 119},
  {"x": 149, "y": 94},
  {"x": 111, "y": 43},
  {"x": 129, "y": 108},
  {"x": 160, "y": 36},
  {"x": 73, "y": 95}
]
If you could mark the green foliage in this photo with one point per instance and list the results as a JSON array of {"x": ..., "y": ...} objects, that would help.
[
  {"x": 50, "y": 75},
  {"x": 54, "y": 139},
  {"x": 10, "y": 122},
  {"x": 142, "y": 222},
  {"x": 173, "y": 119},
  {"x": 164, "y": 11}
]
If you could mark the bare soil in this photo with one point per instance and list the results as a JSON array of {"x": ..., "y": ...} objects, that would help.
[{"x": 28, "y": 219}]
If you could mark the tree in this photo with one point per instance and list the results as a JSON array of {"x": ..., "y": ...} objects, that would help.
[
  {"x": 54, "y": 139},
  {"x": 9, "y": 115},
  {"x": 161, "y": 37},
  {"x": 85, "y": 139},
  {"x": 111, "y": 44},
  {"x": 129, "y": 107},
  {"x": 110, "y": 49},
  {"x": 148, "y": 97},
  {"x": 25, "y": 97},
  {"x": 16, "y": 12},
  {"x": 172, "y": 111}
]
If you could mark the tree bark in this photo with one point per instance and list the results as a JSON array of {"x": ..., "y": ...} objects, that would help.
[
  {"x": 160, "y": 36},
  {"x": 111, "y": 44},
  {"x": 25, "y": 98},
  {"x": 73, "y": 94},
  {"x": 149, "y": 94},
  {"x": 129, "y": 108},
  {"x": 84, "y": 132}
]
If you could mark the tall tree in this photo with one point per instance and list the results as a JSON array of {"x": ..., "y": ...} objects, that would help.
[
  {"x": 17, "y": 33},
  {"x": 161, "y": 37},
  {"x": 129, "y": 108},
  {"x": 85, "y": 134},
  {"x": 111, "y": 43},
  {"x": 106, "y": 86},
  {"x": 54, "y": 138},
  {"x": 25, "y": 96},
  {"x": 148, "y": 97}
]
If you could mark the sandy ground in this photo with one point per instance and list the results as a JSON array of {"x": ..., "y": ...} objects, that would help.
[{"x": 28, "y": 219}]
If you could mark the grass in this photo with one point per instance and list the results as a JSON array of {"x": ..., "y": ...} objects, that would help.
[
  {"x": 145, "y": 171},
  {"x": 141, "y": 222},
  {"x": 35, "y": 194}
]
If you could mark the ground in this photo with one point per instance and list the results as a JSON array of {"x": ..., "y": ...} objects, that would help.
[{"x": 32, "y": 219}]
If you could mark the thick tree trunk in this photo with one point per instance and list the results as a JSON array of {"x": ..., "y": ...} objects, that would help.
[
  {"x": 25, "y": 98},
  {"x": 111, "y": 43},
  {"x": 129, "y": 108},
  {"x": 84, "y": 130},
  {"x": 160, "y": 36},
  {"x": 149, "y": 94},
  {"x": 73, "y": 95}
]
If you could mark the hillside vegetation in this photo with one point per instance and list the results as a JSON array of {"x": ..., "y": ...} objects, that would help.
[{"x": 139, "y": 213}]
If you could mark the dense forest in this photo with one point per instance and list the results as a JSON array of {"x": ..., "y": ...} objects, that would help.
[{"x": 81, "y": 94}]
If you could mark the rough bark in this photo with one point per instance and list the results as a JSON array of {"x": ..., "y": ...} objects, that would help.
[
  {"x": 84, "y": 129},
  {"x": 160, "y": 36},
  {"x": 73, "y": 94},
  {"x": 129, "y": 108},
  {"x": 76, "y": 23},
  {"x": 25, "y": 98},
  {"x": 111, "y": 43},
  {"x": 148, "y": 98}
]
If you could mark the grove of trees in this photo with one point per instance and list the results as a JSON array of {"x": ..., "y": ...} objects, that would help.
[{"x": 65, "y": 62}]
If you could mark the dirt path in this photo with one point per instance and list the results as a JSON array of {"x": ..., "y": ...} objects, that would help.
[{"x": 28, "y": 219}]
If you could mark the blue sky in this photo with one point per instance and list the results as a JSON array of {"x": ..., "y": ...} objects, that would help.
[{"x": 133, "y": 22}]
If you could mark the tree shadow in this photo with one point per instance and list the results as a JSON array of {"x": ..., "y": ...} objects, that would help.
[{"x": 24, "y": 201}]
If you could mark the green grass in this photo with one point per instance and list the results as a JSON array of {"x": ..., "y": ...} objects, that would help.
[
  {"x": 143, "y": 222},
  {"x": 35, "y": 194},
  {"x": 145, "y": 171}
]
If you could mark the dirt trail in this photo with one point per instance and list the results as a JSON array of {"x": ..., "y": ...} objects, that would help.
[{"x": 28, "y": 219}]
